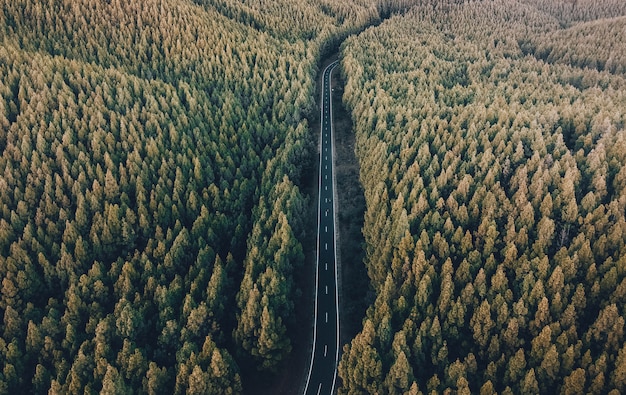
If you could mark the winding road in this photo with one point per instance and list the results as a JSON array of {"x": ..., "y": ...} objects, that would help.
[{"x": 324, "y": 358}]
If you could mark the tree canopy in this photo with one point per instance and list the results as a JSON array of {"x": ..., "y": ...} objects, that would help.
[
  {"x": 151, "y": 157},
  {"x": 491, "y": 143}
]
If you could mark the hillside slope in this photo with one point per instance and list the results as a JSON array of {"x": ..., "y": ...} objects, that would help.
[
  {"x": 150, "y": 211},
  {"x": 495, "y": 186}
]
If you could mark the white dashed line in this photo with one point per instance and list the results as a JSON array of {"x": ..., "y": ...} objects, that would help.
[{"x": 324, "y": 140}]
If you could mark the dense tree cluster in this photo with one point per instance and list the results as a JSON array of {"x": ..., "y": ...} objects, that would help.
[
  {"x": 597, "y": 44},
  {"x": 296, "y": 20},
  {"x": 495, "y": 185},
  {"x": 569, "y": 12},
  {"x": 150, "y": 214}
]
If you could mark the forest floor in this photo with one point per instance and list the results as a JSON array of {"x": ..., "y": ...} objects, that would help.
[{"x": 354, "y": 288}]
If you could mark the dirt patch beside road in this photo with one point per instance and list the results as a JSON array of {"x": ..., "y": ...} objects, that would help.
[{"x": 355, "y": 294}]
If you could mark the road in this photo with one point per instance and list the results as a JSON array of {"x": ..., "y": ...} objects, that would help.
[{"x": 324, "y": 358}]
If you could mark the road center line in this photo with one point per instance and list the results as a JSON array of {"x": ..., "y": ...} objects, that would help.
[{"x": 326, "y": 132}]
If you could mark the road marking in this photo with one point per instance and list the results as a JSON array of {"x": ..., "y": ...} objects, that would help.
[
  {"x": 326, "y": 187},
  {"x": 327, "y": 290},
  {"x": 326, "y": 229},
  {"x": 325, "y": 349},
  {"x": 326, "y": 246},
  {"x": 325, "y": 132},
  {"x": 326, "y": 176}
]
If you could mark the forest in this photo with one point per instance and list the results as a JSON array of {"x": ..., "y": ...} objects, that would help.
[
  {"x": 492, "y": 151},
  {"x": 151, "y": 215}
]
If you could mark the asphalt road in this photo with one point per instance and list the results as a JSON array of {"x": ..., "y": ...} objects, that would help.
[{"x": 323, "y": 369}]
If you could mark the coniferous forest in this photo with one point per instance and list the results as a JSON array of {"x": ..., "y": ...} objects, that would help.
[
  {"x": 492, "y": 150},
  {"x": 150, "y": 211},
  {"x": 152, "y": 218}
]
